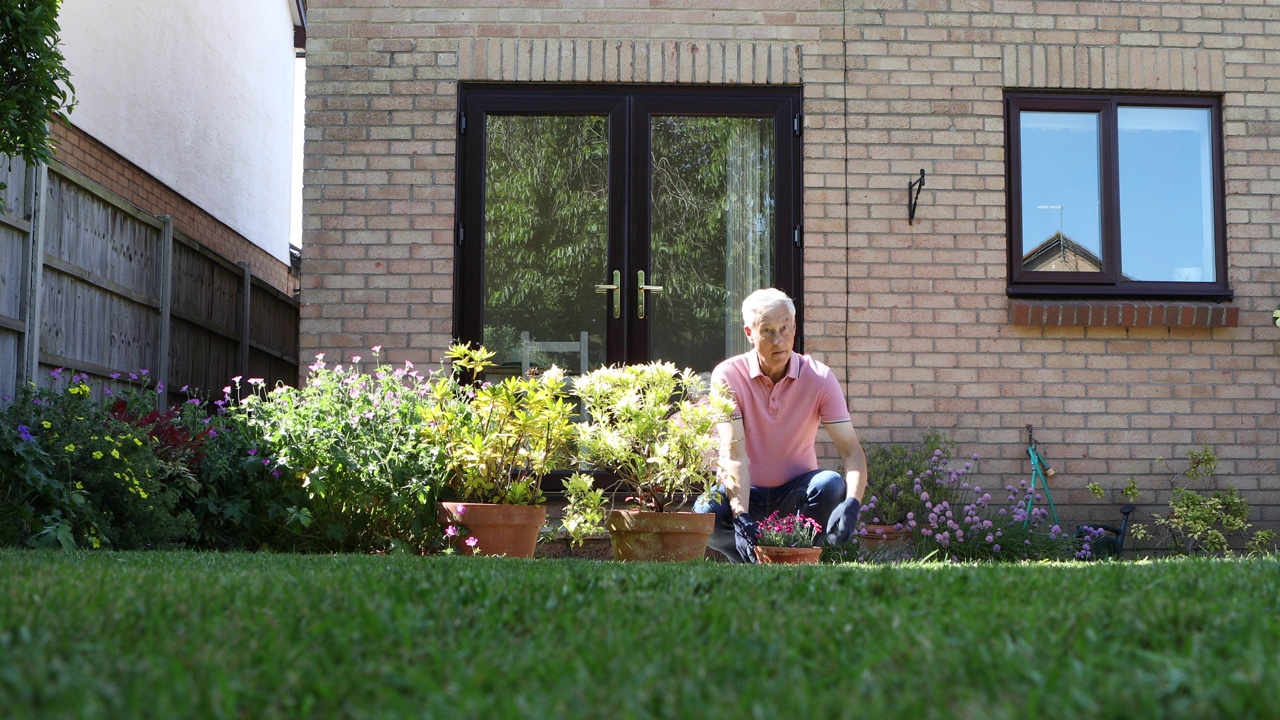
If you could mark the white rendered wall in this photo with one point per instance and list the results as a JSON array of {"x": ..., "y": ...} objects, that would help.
[{"x": 200, "y": 94}]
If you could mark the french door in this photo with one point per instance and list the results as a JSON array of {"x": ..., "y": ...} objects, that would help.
[{"x": 611, "y": 224}]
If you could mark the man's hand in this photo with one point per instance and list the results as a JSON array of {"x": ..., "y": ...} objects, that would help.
[
  {"x": 745, "y": 534},
  {"x": 843, "y": 522}
]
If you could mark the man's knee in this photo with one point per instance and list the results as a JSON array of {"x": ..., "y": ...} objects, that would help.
[{"x": 826, "y": 487}]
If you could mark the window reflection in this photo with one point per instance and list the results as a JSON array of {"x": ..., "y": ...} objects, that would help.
[
  {"x": 1061, "y": 192},
  {"x": 1166, "y": 195},
  {"x": 546, "y": 224}
]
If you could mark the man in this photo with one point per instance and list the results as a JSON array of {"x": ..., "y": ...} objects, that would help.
[{"x": 768, "y": 460}]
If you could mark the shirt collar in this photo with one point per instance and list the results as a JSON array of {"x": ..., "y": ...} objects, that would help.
[{"x": 753, "y": 365}]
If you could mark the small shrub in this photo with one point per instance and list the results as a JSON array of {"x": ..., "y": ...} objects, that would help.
[{"x": 100, "y": 472}]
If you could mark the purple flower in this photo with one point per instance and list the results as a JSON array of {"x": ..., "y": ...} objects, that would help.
[
  {"x": 212, "y": 433},
  {"x": 275, "y": 473},
  {"x": 114, "y": 376},
  {"x": 996, "y": 548},
  {"x": 56, "y": 373},
  {"x": 253, "y": 451},
  {"x": 144, "y": 371},
  {"x": 133, "y": 376},
  {"x": 266, "y": 462},
  {"x": 25, "y": 433}
]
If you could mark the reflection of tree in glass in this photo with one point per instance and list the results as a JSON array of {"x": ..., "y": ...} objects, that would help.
[
  {"x": 546, "y": 226},
  {"x": 712, "y": 226}
]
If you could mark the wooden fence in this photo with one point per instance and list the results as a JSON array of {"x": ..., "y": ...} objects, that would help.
[{"x": 90, "y": 282}]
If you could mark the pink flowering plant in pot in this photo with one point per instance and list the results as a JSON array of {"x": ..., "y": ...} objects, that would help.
[{"x": 788, "y": 531}]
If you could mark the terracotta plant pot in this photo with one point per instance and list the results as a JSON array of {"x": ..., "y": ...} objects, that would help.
[
  {"x": 659, "y": 536},
  {"x": 510, "y": 530},
  {"x": 772, "y": 554},
  {"x": 883, "y": 535}
]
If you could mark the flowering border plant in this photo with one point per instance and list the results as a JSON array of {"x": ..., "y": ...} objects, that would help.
[
  {"x": 788, "y": 531},
  {"x": 83, "y": 471},
  {"x": 356, "y": 465}
]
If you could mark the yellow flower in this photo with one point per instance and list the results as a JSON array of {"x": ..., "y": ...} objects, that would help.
[
  {"x": 97, "y": 454},
  {"x": 115, "y": 453},
  {"x": 46, "y": 423},
  {"x": 137, "y": 442},
  {"x": 70, "y": 448}
]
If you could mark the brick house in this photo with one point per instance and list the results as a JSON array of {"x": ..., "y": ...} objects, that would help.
[{"x": 491, "y": 170}]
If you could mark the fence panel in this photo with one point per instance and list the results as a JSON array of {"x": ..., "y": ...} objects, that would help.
[
  {"x": 273, "y": 336},
  {"x": 100, "y": 309},
  {"x": 204, "y": 343},
  {"x": 100, "y": 295},
  {"x": 13, "y": 240}
]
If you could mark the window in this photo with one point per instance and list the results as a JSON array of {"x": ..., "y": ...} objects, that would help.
[
  {"x": 1115, "y": 196},
  {"x": 610, "y": 224}
]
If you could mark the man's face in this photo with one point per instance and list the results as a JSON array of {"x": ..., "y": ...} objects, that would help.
[{"x": 773, "y": 336}]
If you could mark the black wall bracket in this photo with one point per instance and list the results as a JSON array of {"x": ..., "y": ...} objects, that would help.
[{"x": 913, "y": 200}]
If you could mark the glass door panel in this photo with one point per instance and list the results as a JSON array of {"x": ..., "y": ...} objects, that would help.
[
  {"x": 546, "y": 220},
  {"x": 712, "y": 233}
]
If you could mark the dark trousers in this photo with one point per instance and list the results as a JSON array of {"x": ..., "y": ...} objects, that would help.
[{"x": 814, "y": 494}]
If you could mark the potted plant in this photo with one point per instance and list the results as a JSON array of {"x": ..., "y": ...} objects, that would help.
[
  {"x": 901, "y": 481},
  {"x": 652, "y": 427},
  {"x": 788, "y": 540},
  {"x": 500, "y": 440}
]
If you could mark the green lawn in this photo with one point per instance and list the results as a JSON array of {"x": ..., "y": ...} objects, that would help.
[{"x": 180, "y": 635}]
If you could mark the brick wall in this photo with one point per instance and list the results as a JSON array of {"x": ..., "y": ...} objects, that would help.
[
  {"x": 914, "y": 317},
  {"x": 82, "y": 153}
]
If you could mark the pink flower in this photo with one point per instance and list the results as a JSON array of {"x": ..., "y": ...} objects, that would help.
[
  {"x": 472, "y": 542},
  {"x": 376, "y": 349},
  {"x": 462, "y": 510},
  {"x": 451, "y": 531}
]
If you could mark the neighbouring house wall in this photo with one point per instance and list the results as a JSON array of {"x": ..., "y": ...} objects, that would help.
[
  {"x": 914, "y": 318},
  {"x": 86, "y": 155},
  {"x": 197, "y": 94}
]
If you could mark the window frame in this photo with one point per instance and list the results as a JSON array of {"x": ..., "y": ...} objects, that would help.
[
  {"x": 1110, "y": 281},
  {"x": 628, "y": 107}
]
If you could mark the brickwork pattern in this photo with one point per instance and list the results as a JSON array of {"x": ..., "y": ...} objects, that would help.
[
  {"x": 84, "y": 154},
  {"x": 915, "y": 317}
]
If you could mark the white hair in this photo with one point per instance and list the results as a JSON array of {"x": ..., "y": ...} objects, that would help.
[{"x": 763, "y": 301}]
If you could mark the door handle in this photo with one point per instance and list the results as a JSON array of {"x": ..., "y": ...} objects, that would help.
[
  {"x": 616, "y": 288},
  {"x": 640, "y": 293}
]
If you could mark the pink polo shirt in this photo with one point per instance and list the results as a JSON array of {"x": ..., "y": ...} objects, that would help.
[{"x": 781, "y": 421}]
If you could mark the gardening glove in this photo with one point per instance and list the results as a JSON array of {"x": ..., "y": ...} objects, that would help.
[
  {"x": 843, "y": 522},
  {"x": 745, "y": 534}
]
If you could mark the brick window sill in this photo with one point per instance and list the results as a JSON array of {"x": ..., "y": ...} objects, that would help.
[{"x": 1122, "y": 313}]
